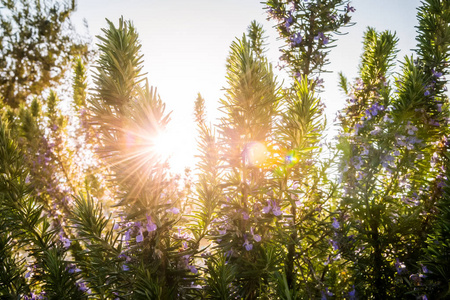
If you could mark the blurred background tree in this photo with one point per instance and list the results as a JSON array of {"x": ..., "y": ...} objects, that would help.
[{"x": 37, "y": 47}]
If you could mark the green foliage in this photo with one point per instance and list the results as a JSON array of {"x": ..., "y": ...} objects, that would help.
[
  {"x": 120, "y": 64},
  {"x": 129, "y": 117},
  {"x": 100, "y": 262},
  {"x": 79, "y": 84},
  {"x": 256, "y": 38},
  {"x": 208, "y": 183},
  {"x": 302, "y": 121},
  {"x": 26, "y": 229},
  {"x": 308, "y": 30},
  {"x": 378, "y": 56},
  {"x": 220, "y": 279},
  {"x": 434, "y": 33},
  {"x": 391, "y": 171},
  {"x": 436, "y": 264}
]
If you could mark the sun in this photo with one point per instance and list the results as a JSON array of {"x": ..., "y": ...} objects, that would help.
[
  {"x": 176, "y": 146},
  {"x": 165, "y": 145}
]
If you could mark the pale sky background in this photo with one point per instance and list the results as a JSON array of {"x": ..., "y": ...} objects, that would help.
[{"x": 185, "y": 45}]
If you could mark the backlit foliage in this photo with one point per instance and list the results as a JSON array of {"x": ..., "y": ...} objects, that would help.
[{"x": 89, "y": 209}]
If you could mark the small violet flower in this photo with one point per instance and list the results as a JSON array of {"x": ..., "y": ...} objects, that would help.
[
  {"x": 376, "y": 131},
  {"x": 411, "y": 128},
  {"x": 334, "y": 244},
  {"x": 436, "y": 74},
  {"x": 267, "y": 208},
  {"x": 150, "y": 225},
  {"x": 173, "y": 210},
  {"x": 247, "y": 245},
  {"x": 387, "y": 119},
  {"x": 296, "y": 40},
  {"x": 193, "y": 269},
  {"x": 349, "y": 8},
  {"x": 335, "y": 224},
  {"x": 127, "y": 235},
  {"x": 399, "y": 266},
  {"x": 256, "y": 237},
  {"x": 139, "y": 237},
  {"x": 276, "y": 210},
  {"x": 82, "y": 287},
  {"x": 66, "y": 242},
  {"x": 352, "y": 294}
]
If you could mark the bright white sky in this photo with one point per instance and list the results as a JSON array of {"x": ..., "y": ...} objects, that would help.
[{"x": 185, "y": 45}]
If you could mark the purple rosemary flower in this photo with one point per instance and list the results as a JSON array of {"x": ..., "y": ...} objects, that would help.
[
  {"x": 357, "y": 127},
  {"x": 276, "y": 210},
  {"x": 335, "y": 223},
  {"x": 296, "y": 39},
  {"x": 360, "y": 176},
  {"x": 66, "y": 242},
  {"x": 139, "y": 237},
  {"x": 334, "y": 244},
  {"x": 411, "y": 128},
  {"x": 400, "y": 140},
  {"x": 436, "y": 74},
  {"x": 247, "y": 245},
  {"x": 267, "y": 208},
  {"x": 376, "y": 131},
  {"x": 127, "y": 235},
  {"x": 82, "y": 287},
  {"x": 319, "y": 36},
  {"x": 72, "y": 268},
  {"x": 352, "y": 294},
  {"x": 349, "y": 8},
  {"x": 193, "y": 269},
  {"x": 365, "y": 151},
  {"x": 150, "y": 225},
  {"x": 31, "y": 297},
  {"x": 387, "y": 119},
  {"x": 173, "y": 210},
  {"x": 126, "y": 257},
  {"x": 399, "y": 266},
  {"x": 256, "y": 237},
  {"x": 289, "y": 21}
]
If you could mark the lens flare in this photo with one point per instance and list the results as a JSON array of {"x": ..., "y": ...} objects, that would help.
[
  {"x": 290, "y": 159},
  {"x": 255, "y": 154}
]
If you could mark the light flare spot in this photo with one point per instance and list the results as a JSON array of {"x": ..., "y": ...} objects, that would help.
[{"x": 255, "y": 154}]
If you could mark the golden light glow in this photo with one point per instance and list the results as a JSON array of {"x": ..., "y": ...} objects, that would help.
[
  {"x": 255, "y": 154},
  {"x": 164, "y": 145},
  {"x": 176, "y": 147}
]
